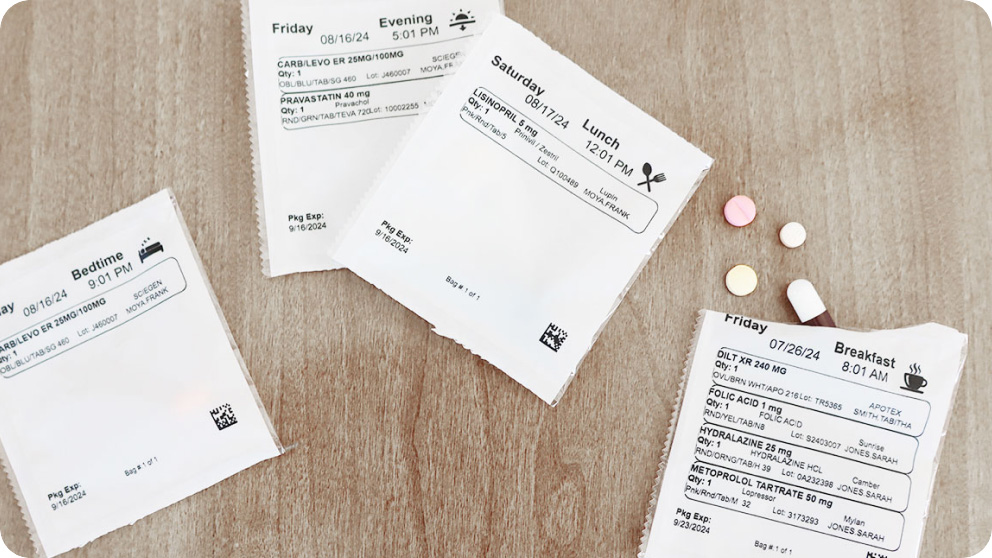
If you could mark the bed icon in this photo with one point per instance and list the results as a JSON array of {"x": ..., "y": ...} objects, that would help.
[{"x": 147, "y": 251}]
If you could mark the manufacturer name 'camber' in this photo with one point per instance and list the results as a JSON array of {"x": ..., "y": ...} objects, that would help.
[{"x": 516, "y": 75}]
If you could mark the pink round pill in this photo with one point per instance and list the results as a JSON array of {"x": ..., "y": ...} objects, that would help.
[{"x": 740, "y": 211}]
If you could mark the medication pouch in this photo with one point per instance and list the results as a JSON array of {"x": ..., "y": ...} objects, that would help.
[
  {"x": 803, "y": 441},
  {"x": 121, "y": 388},
  {"x": 522, "y": 208}
]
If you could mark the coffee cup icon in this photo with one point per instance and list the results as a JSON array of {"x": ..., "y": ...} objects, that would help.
[{"x": 914, "y": 381}]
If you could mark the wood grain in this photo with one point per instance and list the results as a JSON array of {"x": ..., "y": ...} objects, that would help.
[{"x": 868, "y": 121}]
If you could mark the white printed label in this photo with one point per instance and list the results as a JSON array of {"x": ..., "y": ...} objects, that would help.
[
  {"x": 363, "y": 85},
  {"x": 82, "y": 322},
  {"x": 543, "y": 150}
]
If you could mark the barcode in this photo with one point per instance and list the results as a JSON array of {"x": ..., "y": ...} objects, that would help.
[
  {"x": 554, "y": 337},
  {"x": 224, "y": 416}
]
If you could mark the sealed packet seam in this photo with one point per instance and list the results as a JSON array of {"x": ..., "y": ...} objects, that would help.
[
  {"x": 669, "y": 438},
  {"x": 224, "y": 324},
  {"x": 256, "y": 161},
  {"x": 21, "y": 503}
]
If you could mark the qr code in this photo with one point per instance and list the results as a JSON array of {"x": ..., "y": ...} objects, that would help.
[
  {"x": 554, "y": 337},
  {"x": 224, "y": 416},
  {"x": 876, "y": 555}
]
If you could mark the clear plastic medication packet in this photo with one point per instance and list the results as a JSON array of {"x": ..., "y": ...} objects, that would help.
[
  {"x": 121, "y": 388},
  {"x": 803, "y": 441},
  {"x": 522, "y": 207}
]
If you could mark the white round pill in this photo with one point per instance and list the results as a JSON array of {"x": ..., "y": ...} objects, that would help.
[{"x": 792, "y": 235}]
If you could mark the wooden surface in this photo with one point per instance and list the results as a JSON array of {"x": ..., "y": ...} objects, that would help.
[{"x": 870, "y": 122}]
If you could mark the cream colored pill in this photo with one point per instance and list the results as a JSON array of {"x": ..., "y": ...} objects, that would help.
[
  {"x": 742, "y": 280},
  {"x": 792, "y": 235}
]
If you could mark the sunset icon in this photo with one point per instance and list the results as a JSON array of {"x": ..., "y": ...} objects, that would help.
[{"x": 462, "y": 19}]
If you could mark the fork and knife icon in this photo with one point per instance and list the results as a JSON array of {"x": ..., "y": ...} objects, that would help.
[{"x": 649, "y": 180}]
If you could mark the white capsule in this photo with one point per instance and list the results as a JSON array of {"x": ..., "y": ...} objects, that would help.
[{"x": 805, "y": 300}]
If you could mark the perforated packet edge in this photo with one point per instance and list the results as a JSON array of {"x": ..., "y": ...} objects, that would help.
[
  {"x": 670, "y": 437},
  {"x": 256, "y": 161}
]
